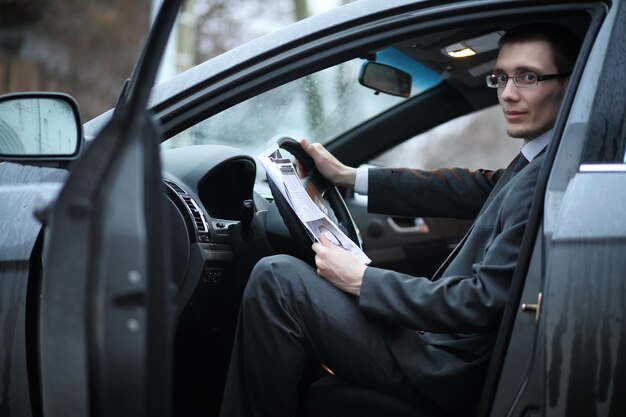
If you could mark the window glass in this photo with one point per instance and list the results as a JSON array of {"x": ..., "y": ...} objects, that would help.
[
  {"x": 319, "y": 107},
  {"x": 474, "y": 141}
]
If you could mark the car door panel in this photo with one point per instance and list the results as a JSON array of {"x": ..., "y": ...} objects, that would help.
[
  {"x": 415, "y": 246},
  {"x": 20, "y": 234},
  {"x": 534, "y": 364},
  {"x": 107, "y": 309}
]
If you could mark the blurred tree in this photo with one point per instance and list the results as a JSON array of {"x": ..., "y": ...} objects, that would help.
[
  {"x": 224, "y": 24},
  {"x": 16, "y": 17},
  {"x": 313, "y": 99},
  {"x": 84, "y": 48},
  {"x": 88, "y": 48},
  {"x": 301, "y": 9}
]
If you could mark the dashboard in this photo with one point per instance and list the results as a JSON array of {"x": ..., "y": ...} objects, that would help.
[
  {"x": 216, "y": 234},
  {"x": 205, "y": 188}
]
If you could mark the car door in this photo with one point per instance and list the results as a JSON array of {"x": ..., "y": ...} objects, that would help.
[
  {"x": 106, "y": 317},
  {"x": 557, "y": 352}
]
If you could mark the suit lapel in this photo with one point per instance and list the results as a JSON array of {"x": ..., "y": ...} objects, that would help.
[{"x": 514, "y": 167}]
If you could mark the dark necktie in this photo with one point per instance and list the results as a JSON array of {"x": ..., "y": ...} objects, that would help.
[{"x": 514, "y": 167}]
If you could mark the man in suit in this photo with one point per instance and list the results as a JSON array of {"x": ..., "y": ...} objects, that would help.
[{"x": 427, "y": 341}]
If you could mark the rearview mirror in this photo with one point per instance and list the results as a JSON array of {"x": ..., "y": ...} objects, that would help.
[
  {"x": 385, "y": 79},
  {"x": 39, "y": 126}
]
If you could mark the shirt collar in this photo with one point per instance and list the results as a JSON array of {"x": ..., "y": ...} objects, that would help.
[{"x": 532, "y": 148}]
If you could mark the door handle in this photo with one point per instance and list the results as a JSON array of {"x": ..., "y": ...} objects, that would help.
[
  {"x": 409, "y": 225},
  {"x": 533, "y": 308}
]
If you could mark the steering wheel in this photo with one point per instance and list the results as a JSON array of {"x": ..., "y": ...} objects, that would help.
[{"x": 299, "y": 243}]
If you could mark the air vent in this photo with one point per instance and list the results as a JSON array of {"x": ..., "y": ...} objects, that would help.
[
  {"x": 196, "y": 213},
  {"x": 175, "y": 187},
  {"x": 198, "y": 217}
]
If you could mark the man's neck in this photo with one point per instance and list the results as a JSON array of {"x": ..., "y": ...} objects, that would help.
[{"x": 533, "y": 147}]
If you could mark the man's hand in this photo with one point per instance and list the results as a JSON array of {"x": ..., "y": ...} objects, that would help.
[
  {"x": 338, "y": 266},
  {"x": 329, "y": 166}
]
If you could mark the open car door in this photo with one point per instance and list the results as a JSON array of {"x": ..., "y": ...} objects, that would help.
[{"x": 106, "y": 316}]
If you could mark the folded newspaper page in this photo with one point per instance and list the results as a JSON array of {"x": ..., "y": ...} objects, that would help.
[{"x": 284, "y": 175}]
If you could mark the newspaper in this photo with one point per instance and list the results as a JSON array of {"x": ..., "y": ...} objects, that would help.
[{"x": 315, "y": 221}]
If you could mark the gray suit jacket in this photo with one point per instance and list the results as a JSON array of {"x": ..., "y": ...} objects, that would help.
[{"x": 444, "y": 329}]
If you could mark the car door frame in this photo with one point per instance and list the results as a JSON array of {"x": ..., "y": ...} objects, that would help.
[
  {"x": 106, "y": 314},
  {"x": 583, "y": 316},
  {"x": 525, "y": 372}
]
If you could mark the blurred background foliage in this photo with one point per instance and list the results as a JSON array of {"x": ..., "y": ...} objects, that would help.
[{"x": 87, "y": 48}]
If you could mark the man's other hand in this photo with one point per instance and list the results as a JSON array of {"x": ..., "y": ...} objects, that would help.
[
  {"x": 329, "y": 166},
  {"x": 338, "y": 266}
]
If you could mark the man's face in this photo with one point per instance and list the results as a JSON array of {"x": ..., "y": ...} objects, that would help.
[{"x": 529, "y": 112}]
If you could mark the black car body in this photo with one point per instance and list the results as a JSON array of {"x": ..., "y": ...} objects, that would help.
[{"x": 121, "y": 295}]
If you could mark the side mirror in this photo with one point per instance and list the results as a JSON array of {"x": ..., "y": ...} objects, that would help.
[
  {"x": 39, "y": 127},
  {"x": 385, "y": 79}
]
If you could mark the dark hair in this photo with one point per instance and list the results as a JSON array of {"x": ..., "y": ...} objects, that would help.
[{"x": 564, "y": 44}]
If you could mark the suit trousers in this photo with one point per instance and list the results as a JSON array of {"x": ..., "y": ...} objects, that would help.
[{"x": 289, "y": 315}]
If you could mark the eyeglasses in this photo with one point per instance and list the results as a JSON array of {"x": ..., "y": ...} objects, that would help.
[{"x": 524, "y": 80}]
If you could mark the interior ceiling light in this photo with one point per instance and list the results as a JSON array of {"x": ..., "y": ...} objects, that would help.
[
  {"x": 462, "y": 52},
  {"x": 470, "y": 47}
]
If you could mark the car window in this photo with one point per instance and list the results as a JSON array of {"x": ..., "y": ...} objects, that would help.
[
  {"x": 319, "y": 107},
  {"x": 473, "y": 141}
]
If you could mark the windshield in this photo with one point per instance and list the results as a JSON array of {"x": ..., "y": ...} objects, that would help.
[{"x": 319, "y": 107}]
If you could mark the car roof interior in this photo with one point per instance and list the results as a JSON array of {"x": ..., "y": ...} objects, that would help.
[
  {"x": 463, "y": 90},
  {"x": 428, "y": 48}
]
